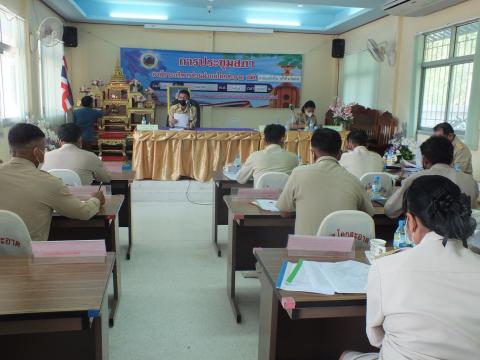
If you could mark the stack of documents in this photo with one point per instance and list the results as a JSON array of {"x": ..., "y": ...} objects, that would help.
[
  {"x": 345, "y": 277},
  {"x": 231, "y": 175},
  {"x": 267, "y": 204},
  {"x": 181, "y": 120}
]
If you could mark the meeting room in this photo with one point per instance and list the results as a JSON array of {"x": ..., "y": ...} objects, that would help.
[{"x": 239, "y": 180}]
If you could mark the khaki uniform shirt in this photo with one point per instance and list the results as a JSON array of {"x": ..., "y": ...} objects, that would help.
[
  {"x": 361, "y": 161},
  {"x": 462, "y": 155},
  {"x": 273, "y": 158},
  {"x": 302, "y": 120},
  {"x": 422, "y": 303},
  {"x": 189, "y": 110},
  {"x": 33, "y": 194},
  {"x": 314, "y": 191},
  {"x": 466, "y": 183},
  {"x": 85, "y": 163}
]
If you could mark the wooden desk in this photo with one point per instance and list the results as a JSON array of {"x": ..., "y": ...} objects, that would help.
[
  {"x": 319, "y": 327},
  {"x": 250, "y": 227},
  {"x": 221, "y": 186},
  {"x": 54, "y": 310},
  {"x": 121, "y": 182},
  {"x": 104, "y": 225}
]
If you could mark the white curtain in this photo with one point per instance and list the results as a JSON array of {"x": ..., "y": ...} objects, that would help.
[
  {"x": 359, "y": 76},
  {"x": 13, "y": 71},
  {"x": 51, "y": 60}
]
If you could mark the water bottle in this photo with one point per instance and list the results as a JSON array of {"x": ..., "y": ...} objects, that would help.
[
  {"x": 376, "y": 187},
  {"x": 237, "y": 163},
  {"x": 144, "y": 120},
  {"x": 457, "y": 167},
  {"x": 399, "y": 238},
  {"x": 299, "y": 159}
]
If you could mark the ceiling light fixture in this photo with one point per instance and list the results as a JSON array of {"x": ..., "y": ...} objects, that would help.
[
  {"x": 208, "y": 28},
  {"x": 300, "y": 5},
  {"x": 138, "y": 16},
  {"x": 273, "y": 22}
]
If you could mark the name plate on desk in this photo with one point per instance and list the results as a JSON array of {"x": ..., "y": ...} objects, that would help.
[
  {"x": 147, "y": 127},
  {"x": 72, "y": 251},
  {"x": 251, "y": 193}
]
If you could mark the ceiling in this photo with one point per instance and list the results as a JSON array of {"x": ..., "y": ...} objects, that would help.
[{"x": 318, "y": 16}]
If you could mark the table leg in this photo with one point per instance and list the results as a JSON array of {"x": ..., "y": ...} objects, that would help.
[
  {"x": 113, "y": 234},
  {"x": 267, "y": 338},
  {"x": 129, "y": 250},
  {"x": 231, "y": 266},
  {"x": 216, "y": 198},
  {"x": 100, "y": 331}
]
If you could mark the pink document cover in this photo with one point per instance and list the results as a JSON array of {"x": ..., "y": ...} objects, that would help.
[
  {"x": 319, "y": 244},
  {"x": 69, "y": 248},
  {"x": 85, "y": 191},
  {"x": 113, "y": 166},
  {"x": 249, "y": 193}
]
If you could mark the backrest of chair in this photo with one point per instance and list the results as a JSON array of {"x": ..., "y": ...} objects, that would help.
[
  {"x": 274, "y": 180},
  {"x": 14, "y": 235},
  {"x": 386, "y": 126},
  {"x": 349, "y": 223},
  {"x": 387, "y": 181},
  {"x": 364, "y": 119},
  {"x": 69, "y": 177}
]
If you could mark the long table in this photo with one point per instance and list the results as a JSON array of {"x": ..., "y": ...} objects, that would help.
[
  {"x": 104, "y": 225},
  {"x": 314, "y": 326},
  {"x": 53, "y": 309},
  {"x": 197, "y": 154},
  {"x": 249, "y": 227}
]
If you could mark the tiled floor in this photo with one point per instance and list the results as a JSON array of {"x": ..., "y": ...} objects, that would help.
[{"x": 174, "y": 302}]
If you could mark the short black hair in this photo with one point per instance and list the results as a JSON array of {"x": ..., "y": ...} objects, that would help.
[
  {"x": 441, "y": 206},
  {"x": 23, "y": 134},
  {"x": 274, "y": 133},
  {"x": 445, "y": 127},
  {"x": 184, "y": 91},
  {"x": 69, "y": 133},
  {"x": 87, "y": 101},
  {"x": 308, "y": 104},
  {"x": 437, "y": 150},
  {"x": 327, "y": 140},
  {"x": 358, "y": 137}
]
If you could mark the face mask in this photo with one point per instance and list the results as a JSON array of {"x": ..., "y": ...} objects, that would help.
[
  {"x": 309, "y": 114},
  {"x": 183, "y": 102}
]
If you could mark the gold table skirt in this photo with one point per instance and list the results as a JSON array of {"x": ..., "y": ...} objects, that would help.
[{"x": 169, "y": 155}]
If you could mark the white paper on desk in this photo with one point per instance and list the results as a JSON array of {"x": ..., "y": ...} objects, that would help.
[
  {"x": 303, "y": 283},
  {"x": 182, "y": 120},
  {"x": 231, "y": 175},
  {"x": 267, "y": 205},
  {"x": 346, "y": 277}
]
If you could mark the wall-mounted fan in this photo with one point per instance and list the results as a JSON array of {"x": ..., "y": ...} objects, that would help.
[
  {"x": 50, "y": 31},
  {"x": 381, "y": 51}
]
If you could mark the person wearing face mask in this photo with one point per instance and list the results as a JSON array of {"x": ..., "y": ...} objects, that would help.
[
  {"x": 437, "y": 156},
  {"x": 34, "y": 194},
  {"x": 314, "y": 191},
  {"x": 306, "y": 117},
  {"x": 183, "y": 108},
  {"x": 422, "y": 303}
]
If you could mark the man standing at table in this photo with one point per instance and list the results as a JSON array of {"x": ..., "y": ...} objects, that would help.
[
  {"x": 183, "y": 114},
  {"x": 71, "y": 156},
  {"x": 86, "y": 118},
  {"x": 359, "y": 160},
  {"x": 34, "y": 194},
  {"x": 461, "y": 153},
  {"x": 314, "y": 191},
  {"x": 273, "y": 158},
  {"x": 437, "y": 157}
]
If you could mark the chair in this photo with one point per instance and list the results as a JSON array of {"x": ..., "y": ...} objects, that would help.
[
  {"x": 349, "y": 223},
  {"x": 69, "y": 177},
  {"x": 274, "y": 180},
  {"x": 387, "y": 181},
  {"x": 386, "y": 127},
  {"x": 14, "y": 235}
]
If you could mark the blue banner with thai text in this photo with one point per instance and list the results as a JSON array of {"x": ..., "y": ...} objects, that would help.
[{"x": 218, "y": 79}]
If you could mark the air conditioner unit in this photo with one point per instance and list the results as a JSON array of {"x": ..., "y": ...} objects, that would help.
[{"x": 417, "y": 7}]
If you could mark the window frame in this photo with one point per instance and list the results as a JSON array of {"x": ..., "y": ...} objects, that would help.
[{"x": 451, "y": 62}]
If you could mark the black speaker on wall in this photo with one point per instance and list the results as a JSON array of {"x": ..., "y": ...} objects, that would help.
[
  {"x": 338, "y": 48},
  {"x": 70, "y": 36}
]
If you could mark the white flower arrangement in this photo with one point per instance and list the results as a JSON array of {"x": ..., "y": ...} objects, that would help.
[{"x": 51, "y": 136}]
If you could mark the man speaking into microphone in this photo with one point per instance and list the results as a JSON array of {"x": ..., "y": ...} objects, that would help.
[{"x": 182, "y": 114}]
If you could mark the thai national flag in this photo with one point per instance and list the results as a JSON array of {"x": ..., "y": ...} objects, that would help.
[{"x": 67, "y": 97}]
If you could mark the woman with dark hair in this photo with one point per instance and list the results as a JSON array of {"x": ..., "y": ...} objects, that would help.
[
  {"x": 306, "y": 118},
  {"x": 423, "y": 303}
]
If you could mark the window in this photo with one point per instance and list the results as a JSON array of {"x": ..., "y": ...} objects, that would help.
[
  {"x": 51, "y": 60},
  {"x": 359, "y": 77},
  {"x": 446, "y": 76},
  {"x": 13, "y": 95}
]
